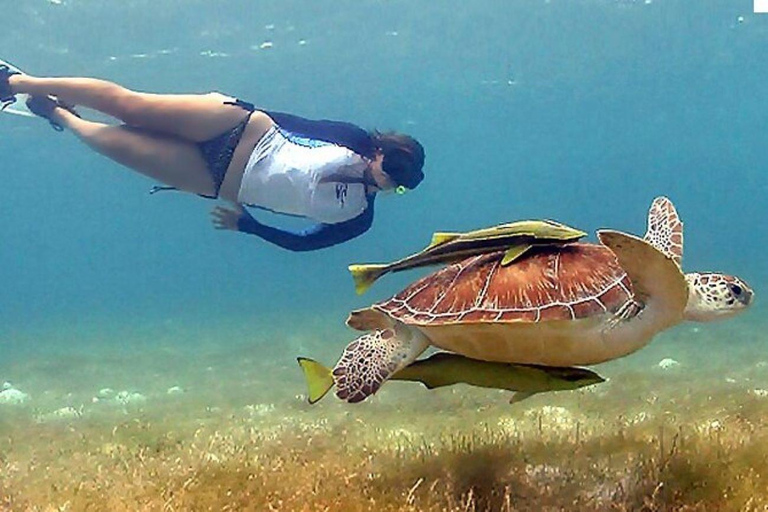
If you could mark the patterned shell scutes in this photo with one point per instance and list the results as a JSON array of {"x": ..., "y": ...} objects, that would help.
[{"x": 565, "y": 283}]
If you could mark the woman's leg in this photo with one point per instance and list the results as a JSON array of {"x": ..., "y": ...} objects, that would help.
[
  {"x": 195, "y": 117},
  {"x": 168, "y": 159}
]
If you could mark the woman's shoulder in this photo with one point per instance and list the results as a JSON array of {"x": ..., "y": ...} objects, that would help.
[{"x": 341, "y": 133}]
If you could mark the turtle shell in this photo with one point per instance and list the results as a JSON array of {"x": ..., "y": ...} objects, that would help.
[
  {"x": 549, "y": 307},
  {"x": 568, "y": 283}
]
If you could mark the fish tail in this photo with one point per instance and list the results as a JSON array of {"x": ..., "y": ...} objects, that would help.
[
  {"x": 319, "y": 378},
  {"x": 365, "y": 275}
]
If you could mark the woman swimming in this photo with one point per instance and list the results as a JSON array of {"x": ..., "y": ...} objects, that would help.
[{"x": 221, "y": 147}]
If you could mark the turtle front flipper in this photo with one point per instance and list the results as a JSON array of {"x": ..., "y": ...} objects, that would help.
[
  {"x": 373, "y": 358},
  {"x": 659, "y": 284},
  {"x": 665, "y": 229}
]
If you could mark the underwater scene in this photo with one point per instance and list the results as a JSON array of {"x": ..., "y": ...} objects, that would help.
[{"x": 148, "y": 361}]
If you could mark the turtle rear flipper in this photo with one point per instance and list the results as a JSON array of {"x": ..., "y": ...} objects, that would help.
[
  {"x": 373, "y": 358},
  {"x": 369, "y": 319}
]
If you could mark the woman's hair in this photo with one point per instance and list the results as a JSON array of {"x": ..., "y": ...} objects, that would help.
[{"x": 403, "y": 157}]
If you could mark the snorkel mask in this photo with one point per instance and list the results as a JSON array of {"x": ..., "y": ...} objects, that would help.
[{"x": 398, "y": 167}]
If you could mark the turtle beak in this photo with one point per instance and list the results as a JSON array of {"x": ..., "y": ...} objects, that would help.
[{"x": 742, "y": 292}]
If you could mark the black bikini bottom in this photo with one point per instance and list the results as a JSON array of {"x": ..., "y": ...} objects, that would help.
[{"x": 218, "y": 151}]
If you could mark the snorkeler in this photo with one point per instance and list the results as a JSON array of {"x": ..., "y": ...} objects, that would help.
[{"x": 221, "y": 147}]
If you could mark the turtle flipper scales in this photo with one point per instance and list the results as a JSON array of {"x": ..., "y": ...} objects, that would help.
[
  {"x": 372, "y": 359},
  {"x": 665, "y": 229}
]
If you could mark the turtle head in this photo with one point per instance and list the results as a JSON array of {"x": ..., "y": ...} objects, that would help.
[{"x": 714, "y": 296}]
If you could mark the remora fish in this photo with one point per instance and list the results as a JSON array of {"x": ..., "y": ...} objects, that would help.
[
  {"x": 516, "y": 237},
  {"x": 446, "y": 369}
]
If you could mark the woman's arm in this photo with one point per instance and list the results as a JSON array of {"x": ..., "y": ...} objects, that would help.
[{"x": 316, "y": 237}]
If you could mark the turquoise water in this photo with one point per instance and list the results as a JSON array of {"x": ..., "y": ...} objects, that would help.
[{"x": 581, "y": 111}]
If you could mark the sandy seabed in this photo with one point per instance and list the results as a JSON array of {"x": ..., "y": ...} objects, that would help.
[{"x": 171, "y": 417}]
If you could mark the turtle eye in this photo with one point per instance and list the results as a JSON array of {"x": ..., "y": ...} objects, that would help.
[{"x": 736, "y": 289}]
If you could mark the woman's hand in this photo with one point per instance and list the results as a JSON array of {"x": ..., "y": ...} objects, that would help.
[{"x": 228, "y": 218}]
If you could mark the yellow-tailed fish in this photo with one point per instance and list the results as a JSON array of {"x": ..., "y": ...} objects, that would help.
[
  {"x": 446, "y": 369},
  {"x": 516, "y": 238}
]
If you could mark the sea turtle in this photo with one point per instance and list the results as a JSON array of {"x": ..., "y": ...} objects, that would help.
[{"x": 567, "y": 305}]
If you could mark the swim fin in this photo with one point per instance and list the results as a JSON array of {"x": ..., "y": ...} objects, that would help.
[{"x": 8, "y": 100}]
